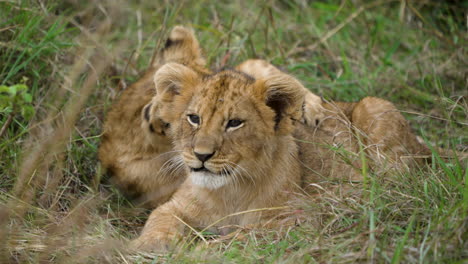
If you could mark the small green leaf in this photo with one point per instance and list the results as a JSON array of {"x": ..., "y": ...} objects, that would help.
[
  {"x": 4, "y": 89},
  {"x": 19, "y": 88},
  {"x": 12, "y": 90},
  {"x": 27, "y": 112},
  {"x": 16, "y": 99},
  {"x": 27, "y": 98},
  {"x": 6, "y": 110},
  {"x": 5, "y": 102}
]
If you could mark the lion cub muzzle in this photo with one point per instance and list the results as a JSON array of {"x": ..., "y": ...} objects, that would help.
[
  {"x": 203, "y": 156},
  {"x": 207, "y": 169}
]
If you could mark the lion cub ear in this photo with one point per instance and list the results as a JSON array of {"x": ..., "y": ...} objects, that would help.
[
  {"x": 313, "y": 112},
  {"x": 259, "y": 69},
  {"x": 182, "y": 47},
  {"x": 285, "y": 95},
  {"x": 173, "y": 78}
]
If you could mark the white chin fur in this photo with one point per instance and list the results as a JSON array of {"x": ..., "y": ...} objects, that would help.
[{"x": 208, "y": 180}]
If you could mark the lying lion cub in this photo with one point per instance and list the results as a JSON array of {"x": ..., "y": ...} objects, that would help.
[
  {"x": 134, "y": 148},
  {"x": 244, "y": 149},
  {"x": 373, "y": 122}
]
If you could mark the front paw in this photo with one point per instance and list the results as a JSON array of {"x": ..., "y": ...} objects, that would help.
[
  {"x": 313, "y": 112},
  {"x": 151, "y": 244}
]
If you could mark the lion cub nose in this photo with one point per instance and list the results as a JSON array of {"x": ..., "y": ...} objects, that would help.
[{"x": 203, "y": 157}]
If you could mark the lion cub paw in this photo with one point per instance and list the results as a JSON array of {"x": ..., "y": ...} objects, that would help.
[
  {"x": 313, "y": 112},
  {"x": 151, "y": 122},
  {"x": 150, "y": 244}
]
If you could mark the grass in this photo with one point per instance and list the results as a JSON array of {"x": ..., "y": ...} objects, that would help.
[{"x": 54, "y": 207}]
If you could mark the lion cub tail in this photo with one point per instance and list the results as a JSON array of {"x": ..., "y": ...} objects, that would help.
[{"x": 181, "y": 47}]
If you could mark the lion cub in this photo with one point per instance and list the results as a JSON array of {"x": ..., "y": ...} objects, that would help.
[
  {"x": 373, "y": 124},
  {"x": 134, "y": 148},
  {"x": 245, "y": 149}
]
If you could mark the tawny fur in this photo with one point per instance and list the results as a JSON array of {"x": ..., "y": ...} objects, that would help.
[
  {"x": 268, "y": 159},
  {"x": 134, "y": 148},
  {"x": 372, "y": 127},
  {"x": 260, "y": 159},
  {"x": 369, "y": 133},
  {"x": 313, "y": 111}
]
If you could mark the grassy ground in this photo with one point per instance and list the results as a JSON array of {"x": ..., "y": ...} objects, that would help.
[{"x": 75, "y": 56}]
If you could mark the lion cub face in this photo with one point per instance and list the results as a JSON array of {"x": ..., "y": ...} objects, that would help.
[
  {"x": 227, "y": 125},
  {"x": 223, "y": 129}
]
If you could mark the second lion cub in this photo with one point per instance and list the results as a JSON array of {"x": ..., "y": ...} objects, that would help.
[{"x": 134, "y": 148}]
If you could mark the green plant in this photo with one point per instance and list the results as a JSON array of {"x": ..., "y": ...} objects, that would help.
[{"x": 15, "y": 100}]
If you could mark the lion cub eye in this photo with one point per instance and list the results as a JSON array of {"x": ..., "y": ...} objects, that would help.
[
  {"x": 234, "y": 123},
  {"x": 194, "y": 120}
]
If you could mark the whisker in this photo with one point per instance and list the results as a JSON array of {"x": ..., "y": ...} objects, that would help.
[
  {"x": 165, "y": 153},
  {"x": 171, "y": 166},
  {"x": 237, "y": 168},
  {"x": 234, "y": 176}
]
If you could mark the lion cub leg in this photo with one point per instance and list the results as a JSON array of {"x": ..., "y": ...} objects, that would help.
[
  {"x": 161, "y": 229},
  {"x": 386, "y": 134},
  {"x": 167, "y": 223}
]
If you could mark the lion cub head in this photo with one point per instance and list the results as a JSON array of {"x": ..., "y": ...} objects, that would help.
[
  {"x": 228, "y": 126},
  {"x": 182, "y": 47}
]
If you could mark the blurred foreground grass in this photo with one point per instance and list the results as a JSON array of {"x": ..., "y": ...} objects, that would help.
[{"x": 76, "y": 56}]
